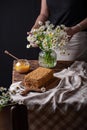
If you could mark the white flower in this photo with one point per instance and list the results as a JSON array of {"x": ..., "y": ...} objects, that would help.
[
  {"x": 47, "y": 36},
  {"x": 5, "y": 97},
  {"x": 43, "y": 89},
  {"x": 40, "y": 23},
  {"x": 28, "y": 45}
]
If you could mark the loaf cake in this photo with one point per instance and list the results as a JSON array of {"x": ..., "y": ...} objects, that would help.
[{"x": 38, "y": 77}]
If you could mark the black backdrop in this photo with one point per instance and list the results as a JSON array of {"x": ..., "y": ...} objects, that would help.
[{"x": 16, "y": 18}]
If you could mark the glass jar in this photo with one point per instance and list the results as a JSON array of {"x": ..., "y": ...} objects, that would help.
[
  {"x": 22, "y": 66},
  {"x": 47, "y": 58}
]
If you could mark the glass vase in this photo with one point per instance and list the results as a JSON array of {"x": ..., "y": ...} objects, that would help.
[{"x": 47, "y": 58}]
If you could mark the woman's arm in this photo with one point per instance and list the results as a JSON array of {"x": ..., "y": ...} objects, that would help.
[
  {"x": 77, "y": 28},
  {"x": 43, "y": 16},
  {"x": 80, "y": 26}
]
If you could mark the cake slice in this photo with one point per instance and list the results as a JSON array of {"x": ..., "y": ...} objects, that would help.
[{"x": 38, "y": 77}]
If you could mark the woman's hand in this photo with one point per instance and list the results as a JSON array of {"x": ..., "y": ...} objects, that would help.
[
  {"x": 70, "y": 32},
  {"x": 73, "y": 30}
]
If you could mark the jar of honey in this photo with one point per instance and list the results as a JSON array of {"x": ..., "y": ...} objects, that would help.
[{"x": 22, "y": 66}]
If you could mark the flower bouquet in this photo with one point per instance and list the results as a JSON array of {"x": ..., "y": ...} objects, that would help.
[
  {"x": 48, "y": 37},
  {"x": 5, "y": 98}
]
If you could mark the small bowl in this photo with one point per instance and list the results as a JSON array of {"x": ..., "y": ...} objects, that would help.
[{"x": 22, "y": 66}]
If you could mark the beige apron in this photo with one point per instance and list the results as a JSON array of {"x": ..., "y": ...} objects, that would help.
[{"x": 76, "y": 48}]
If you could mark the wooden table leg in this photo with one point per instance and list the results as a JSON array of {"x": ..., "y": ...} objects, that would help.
[{"x": 19, "y": 117}]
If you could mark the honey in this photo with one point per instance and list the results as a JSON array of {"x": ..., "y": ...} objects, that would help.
[{"x": 22, "y": 66}]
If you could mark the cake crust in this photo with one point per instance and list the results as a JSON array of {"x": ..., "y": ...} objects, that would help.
[{"x": 38, "y": 77}]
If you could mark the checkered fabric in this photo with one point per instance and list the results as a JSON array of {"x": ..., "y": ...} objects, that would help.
[{"x": 58, "y": 120}]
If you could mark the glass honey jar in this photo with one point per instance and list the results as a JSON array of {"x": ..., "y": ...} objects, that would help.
[{"x": 22, "y": 66}]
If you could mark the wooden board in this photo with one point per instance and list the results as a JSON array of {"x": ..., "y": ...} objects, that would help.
[{"x": 48, "y": 85}]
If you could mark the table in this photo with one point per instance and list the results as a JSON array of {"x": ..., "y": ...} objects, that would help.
[
  {"x": 34, "y": 64},
  {"x": 45, "y": 118}
]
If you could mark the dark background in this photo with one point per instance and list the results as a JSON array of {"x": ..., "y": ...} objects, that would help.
[{"x": 16, "y": 19}]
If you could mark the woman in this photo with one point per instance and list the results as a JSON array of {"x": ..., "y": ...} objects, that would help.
[{"x": 73, "y": 14}]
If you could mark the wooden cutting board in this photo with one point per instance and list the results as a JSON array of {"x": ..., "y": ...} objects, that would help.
[{"x": 47, "y": 86}]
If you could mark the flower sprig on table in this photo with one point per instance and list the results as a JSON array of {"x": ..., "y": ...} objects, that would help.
[
  {"x": 47, "y": 37},
  {"x": 5, "y": 98}
]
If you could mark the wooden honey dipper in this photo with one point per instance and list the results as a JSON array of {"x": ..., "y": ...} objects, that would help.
[
  {"x": 8, "y": 53},
  {"x": 22, "y": 65}
]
